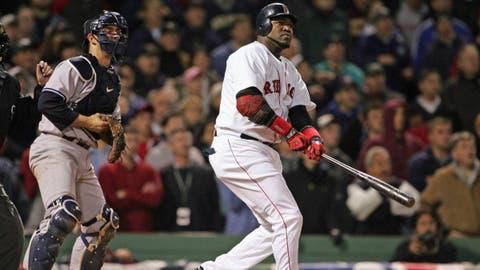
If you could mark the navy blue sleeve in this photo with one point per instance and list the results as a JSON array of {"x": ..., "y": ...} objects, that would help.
[
  {"x": 53, "y": 106},
  {"x": 416, "y": 173}
]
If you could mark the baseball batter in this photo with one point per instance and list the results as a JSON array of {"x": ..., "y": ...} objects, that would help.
[
  {"x": 260, "y": 91},
  {"x": 79, "y": 89}
]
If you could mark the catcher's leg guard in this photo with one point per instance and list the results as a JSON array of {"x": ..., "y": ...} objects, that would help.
[
  {"x": 64, "y": 214},
  {"x": 92, "y": 245}
]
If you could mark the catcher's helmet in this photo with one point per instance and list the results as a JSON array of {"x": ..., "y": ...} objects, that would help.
[
  {"x": 3, "y": 42},
  {"x": 97, "y": 25},
  {"x": 264, "y": 24}
]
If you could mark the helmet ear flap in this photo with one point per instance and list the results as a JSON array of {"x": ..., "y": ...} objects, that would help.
[{"x": 264, "y": 27}]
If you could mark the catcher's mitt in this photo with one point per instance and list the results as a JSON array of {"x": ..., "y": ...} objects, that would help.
[{"x": 117, "y": 139}]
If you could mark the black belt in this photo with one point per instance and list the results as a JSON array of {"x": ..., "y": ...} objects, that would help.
[
  {"x": 248, "y": 137},
  {"x": 71, "y": 139}
]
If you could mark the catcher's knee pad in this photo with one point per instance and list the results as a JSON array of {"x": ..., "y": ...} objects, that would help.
[
  {"x": 96, "y": 242},
  {"x": 47, "y": 239}
]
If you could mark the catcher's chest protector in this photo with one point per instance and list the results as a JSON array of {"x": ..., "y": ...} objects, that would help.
[{"x": 103, "y": 99}]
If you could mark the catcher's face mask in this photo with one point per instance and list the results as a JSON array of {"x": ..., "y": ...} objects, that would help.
[{"x": 111, "y": 30}]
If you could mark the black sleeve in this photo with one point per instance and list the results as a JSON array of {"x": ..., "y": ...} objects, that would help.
[
  {"x": 248, "y": 91},
  {"x": 299, "y": 117},
  {"x": 55, "y": 109}
]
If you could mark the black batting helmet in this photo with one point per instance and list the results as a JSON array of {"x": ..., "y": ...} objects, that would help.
[
  {"x": 264, "y": 24},
  {"x": 4, "y": 40},
  {"x": 97, "y": 25}
]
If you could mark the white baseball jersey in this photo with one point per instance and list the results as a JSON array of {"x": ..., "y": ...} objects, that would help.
[
  {"x": 253, "y": 170},
  {"x": 67, "y": 82},
  {"x": 282, "y": 87}
]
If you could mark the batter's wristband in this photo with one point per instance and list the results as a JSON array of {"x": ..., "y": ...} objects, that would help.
[
  {"x": 280, "y": 126},
  {"x": 310, "y": 132}
]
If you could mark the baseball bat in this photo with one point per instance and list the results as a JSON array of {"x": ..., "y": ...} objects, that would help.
[{"x": 381, "y": 186}]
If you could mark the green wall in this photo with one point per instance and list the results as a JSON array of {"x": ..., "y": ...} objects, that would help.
[{"x": 313, "y": 248}]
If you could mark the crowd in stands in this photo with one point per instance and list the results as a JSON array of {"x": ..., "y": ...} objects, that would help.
[{"x": 396, "y": 84}]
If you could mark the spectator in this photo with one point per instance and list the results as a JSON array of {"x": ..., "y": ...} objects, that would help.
[
  {"x": 205, "y": 141},
  {"x": 423, "y": 165},
  {"x": 25, "y": 55},
  {"x": 313, "y": 38},
  {"x": 44, "y": 18},
  {"x": 152, "y": 13},
  {"x": 191, "y": 108},
  {"x": 241, "y": 33},
  {"x": 127, "y": 84},
  {"x": 369, "y": 126},
  {"x": 387, "y": 47},
  {"x": 161, "y": 156},
  {"x": 239, "y": 219},
  {"x": 162, "y": 102},
  {"x": 200, "y": 58},
  {"x": 172, "y": 59},
  {"x": 196, "y": 32},
  {"x": 409, "y": 16},
  {"x": 142, "y": 122},
  {"x": 375, "y": 213},
  {"x": 426, "y": 31},
  {"x": 26, "y": 22},
  {"x": 319, "y": 188},
  {"x": 132, "y": 187},
  {"x": 191, "y": 195},
  {"x": 462, "y": 94},
  {"x": 442, "y": 52},
  {"x": 147, "y": 70},
  {"x": 214, "y": 100},
  {"x": 427, "y": 243},
  {"x": 429, "y": 104},
  {"x": 335, "y": 66},
  {"x": 345, "y": 106},
  {"x": 68, "y": 48},
  {"x": 375, "y": 85},
  {"x": 195, "y": 83},
  {"x": 54, "y": 36},
  {"x": 452, "y": 188},
  {"x": 399, "y": 144}
]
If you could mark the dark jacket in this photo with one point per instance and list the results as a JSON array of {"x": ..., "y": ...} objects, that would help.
[
  {"x": 321, "y": 194},
  {"x": 202, "y": 199},
  {"x": 446, "y": 253},
  {"x": 462, "y": 96},
  {"x": 422, "y": 165},
  {"x": 443, "y": 110}
]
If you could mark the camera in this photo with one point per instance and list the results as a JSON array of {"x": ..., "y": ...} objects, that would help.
[{"x": 430, "y": 240}]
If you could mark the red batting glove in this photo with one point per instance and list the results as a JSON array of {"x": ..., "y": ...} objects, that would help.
[
  {"x": 315, "y": 147},
  {"x": 296, "y": 140}
]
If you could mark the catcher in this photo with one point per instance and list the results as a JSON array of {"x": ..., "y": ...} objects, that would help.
[{"x": 78, "y": 106}]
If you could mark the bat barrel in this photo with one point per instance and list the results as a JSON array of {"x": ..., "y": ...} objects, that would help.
[{"x": 383, "y": 187}]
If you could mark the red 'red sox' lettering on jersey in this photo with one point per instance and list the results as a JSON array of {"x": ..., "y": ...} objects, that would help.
[
  {"x": 291, "y": 90},
  {"x": 268, "y": 89}
]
